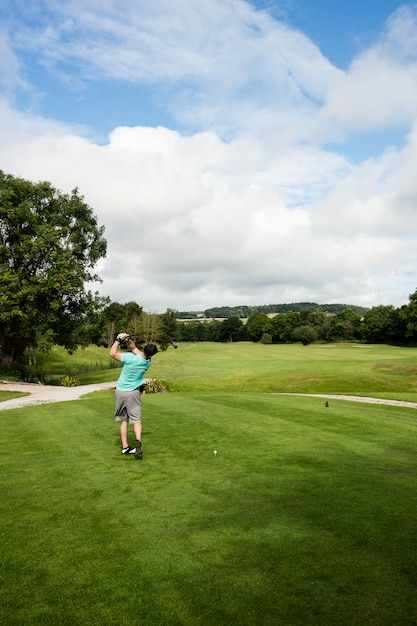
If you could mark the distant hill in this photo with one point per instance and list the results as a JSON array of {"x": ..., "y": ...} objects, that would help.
[{"x": 244, "y": 311}]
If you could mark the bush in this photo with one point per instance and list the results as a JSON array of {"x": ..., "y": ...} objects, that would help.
[
  {"x": 305, "y": 334},
  {"x": 266, "y": 338},
  {"x": 155, "y": 385},
  {"x": 68, "y": 381}
]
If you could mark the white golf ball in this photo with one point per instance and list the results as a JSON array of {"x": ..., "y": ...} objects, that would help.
[{"x": 215, "y": 452}]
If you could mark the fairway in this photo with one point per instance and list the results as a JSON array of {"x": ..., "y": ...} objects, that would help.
[
  {"x": 307, "y": 514},
  {"x": 340, "y": 368}
]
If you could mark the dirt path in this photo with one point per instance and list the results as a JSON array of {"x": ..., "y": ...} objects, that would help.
[{"x": 44, "y": 394}]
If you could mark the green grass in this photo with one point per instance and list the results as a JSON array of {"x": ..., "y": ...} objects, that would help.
[
  {"x": 90, "y": 362},
  {"x": 306, "y": 516},
  {"x": 8, "y": 395},
  {"x": 58, "y": 361},
  {"x": 355, "y": 369}
]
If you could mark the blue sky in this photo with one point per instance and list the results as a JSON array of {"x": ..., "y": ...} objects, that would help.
[
  {"x": 340, "y": 29},
  {"x": 236, "y": 152}
]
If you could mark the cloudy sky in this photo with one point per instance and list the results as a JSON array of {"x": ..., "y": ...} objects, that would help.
[{"x": 237, "y": 152}]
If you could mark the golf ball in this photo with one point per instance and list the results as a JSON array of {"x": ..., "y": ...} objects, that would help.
[{"x": 215, "y": 452}]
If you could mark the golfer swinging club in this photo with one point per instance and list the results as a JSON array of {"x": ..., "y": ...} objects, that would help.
[{"x": 128, "y": 399}]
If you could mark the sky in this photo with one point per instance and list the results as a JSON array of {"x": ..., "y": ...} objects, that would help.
[{"x": 236, "y": 152}]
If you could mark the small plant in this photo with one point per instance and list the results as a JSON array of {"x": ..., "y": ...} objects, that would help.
[
  {"x": 68, "y": 381},
  {"x": 155, "y": 385}
]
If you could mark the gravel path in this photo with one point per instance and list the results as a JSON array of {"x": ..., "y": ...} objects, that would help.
[
  {"x": 410, "y": 405},
  {"x": 44, "y": 394}
]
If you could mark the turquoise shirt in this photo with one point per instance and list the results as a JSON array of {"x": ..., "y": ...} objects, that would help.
[{"x": 134, "y": 367}]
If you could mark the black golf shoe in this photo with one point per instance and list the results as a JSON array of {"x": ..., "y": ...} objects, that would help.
[{"x": 138, "y": 453}]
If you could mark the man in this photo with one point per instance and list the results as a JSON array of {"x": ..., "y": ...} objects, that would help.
[{"x": 128, "y": 399}]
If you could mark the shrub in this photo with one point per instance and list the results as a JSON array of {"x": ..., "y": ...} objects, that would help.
[
  {"x": 68, "y": 381},
  {"x": 155, "y": 385},
  {"x": 306, "y": 334},
  {"x": 266, "y": 338}
]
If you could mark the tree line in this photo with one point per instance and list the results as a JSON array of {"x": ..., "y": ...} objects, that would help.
[
  {"x": 50, "y": 243},
  {"x": 380, "y": 324},
  {"x": 244, "y": 311}
]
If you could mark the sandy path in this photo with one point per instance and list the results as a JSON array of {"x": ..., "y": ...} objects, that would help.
[{"x": 44, "y": 394}]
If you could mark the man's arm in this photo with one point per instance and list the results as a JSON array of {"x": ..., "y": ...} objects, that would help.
[
  {"x": 114, "y": 351},
  {"x": 132, "y": 346}
]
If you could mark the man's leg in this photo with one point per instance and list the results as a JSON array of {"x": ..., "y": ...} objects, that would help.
[
  {"x": 123, "y": 433},
  {"x": 126, "y": 449},
  {"x": 137, "y": 426}
]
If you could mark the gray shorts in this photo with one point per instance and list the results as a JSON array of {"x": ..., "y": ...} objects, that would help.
[{"x": 128, "y": 406}]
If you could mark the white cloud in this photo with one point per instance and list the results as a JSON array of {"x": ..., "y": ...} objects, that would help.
[
  {"x": 218, "y": 64},
  {"x": 379, "y": 89},
  {"x": 10, "y": 78},
  {"x": 194, "y": 220}
]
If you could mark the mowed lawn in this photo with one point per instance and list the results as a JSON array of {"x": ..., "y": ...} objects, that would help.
[
  {"x": 306, "y": 515},
  {"x": 353, "y": 369}
]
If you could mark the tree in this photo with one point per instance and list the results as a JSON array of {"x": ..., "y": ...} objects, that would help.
[
  {"x": 169, "y": 330},
  {"x": 231, "y": 329},
  {"x": 408, "y": 315},
  {"x": 116, "y": 318},
  {"x": 132, "y": 312},
  {"x": 212, "y": 330},
  {"x": 282, "y": 326},
  {"x": 50, "y": 243},
  {"x": 305, "y": 334},
  {"x": 257, "y": 325},
  {"x": 192, "y": 331},
  {"x": 344, "y": 326},
  {"x": 320, "y": 322},
  {"x": 380, "y": 323},
  {"x": 149, "y": 327}
]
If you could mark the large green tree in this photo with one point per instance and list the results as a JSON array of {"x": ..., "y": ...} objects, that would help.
[
  {"x": 257, "y": 325},
  {"x": 169, "y": 330},
  {"x": 383, "y": 324},
  {"x": 50, "y": 243},
  {"x": 232, "y": 329},
  {"x": 283, "y": 325},
  {"x": 116, "y": 318},
  {"x": 344, "y": 326},
  {"x": 305, "y": 334},
  {"x": 408, "y": 315}
]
